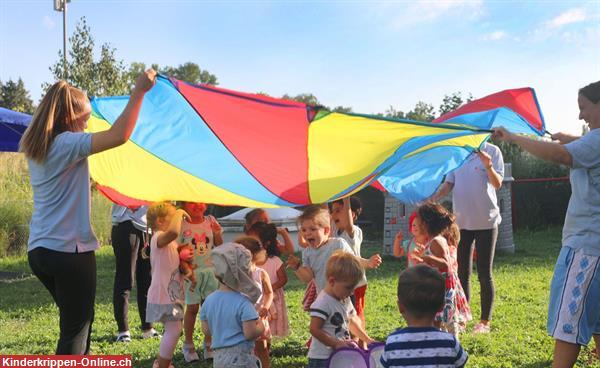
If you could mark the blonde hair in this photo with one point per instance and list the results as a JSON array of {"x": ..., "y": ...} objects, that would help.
[
  {"x": 57, "y": 113},
  {"x": 316, "y": 214},
  {"x": 344, "y": 267},
  {"x": 158, "y": 210}
]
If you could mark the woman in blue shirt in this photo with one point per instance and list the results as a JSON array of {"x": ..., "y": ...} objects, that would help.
[{"x": 61, "y": 241}]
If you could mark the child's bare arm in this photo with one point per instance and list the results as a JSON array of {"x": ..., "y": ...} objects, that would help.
[
  {"x": 217, "y": 231},
  {"x": 288, "y": 247},
  {"x": 373, "y": 262},
  {"x": 439, "y": 255},
  {"x": 304, "y": 274},
  {"x": 398, "y": 250},
  {"x": 173, "y": 230},
  {"x": 252, "y": 329},
  {"x": 267, "y": 294},
  {"x": 316, "y": 330},
  {"x": 205, "y": 328},
  {"x": 281, "y": 278},
  {"x": 347, "y": 217},
  {"x": 357, "y": 330}
]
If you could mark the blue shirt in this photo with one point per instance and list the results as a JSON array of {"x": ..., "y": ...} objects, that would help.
[
  {"x": 137, "y": 217},
  {"x": 225, "y": 311},
  {"x": 582, "y": 223},
  {"x": 422, "y": 346},
  {"x": 61, "y": 196}
]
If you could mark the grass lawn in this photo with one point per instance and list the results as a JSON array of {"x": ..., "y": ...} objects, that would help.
[{"x": 29, "y": 319}]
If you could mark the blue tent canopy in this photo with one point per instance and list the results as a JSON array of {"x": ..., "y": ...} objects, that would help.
[{"x": 12, "y": 127}]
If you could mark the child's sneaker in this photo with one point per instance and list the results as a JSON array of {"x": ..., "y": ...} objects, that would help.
[
  {"x": 124, "y": 337},
  {"x": 481, "y": 328},
  {"x": 148, "y": 334},
  {"x": 189, "y": 353}
]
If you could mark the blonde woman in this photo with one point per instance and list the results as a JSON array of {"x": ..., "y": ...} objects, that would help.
[{"x": 61, "y": 241}]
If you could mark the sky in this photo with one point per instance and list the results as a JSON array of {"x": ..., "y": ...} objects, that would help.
[{"x": 368, "y": 55}]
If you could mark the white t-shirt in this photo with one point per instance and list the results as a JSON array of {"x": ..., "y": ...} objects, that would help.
[
  {"x": 336, "y": 314},
  {"x": 354, "y": 243},
  {"x": 474, "y": 198},
  {"x": 316, "y": 258}
]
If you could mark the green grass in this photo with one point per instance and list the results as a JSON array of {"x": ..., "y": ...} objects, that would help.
[{"x": 29, "y": 319}]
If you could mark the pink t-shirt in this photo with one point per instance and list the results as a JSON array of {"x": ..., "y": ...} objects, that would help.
[{"x": 167, "y": 284}]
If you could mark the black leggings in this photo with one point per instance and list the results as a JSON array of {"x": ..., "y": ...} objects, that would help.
[
  {"x": 485, "y": 244},
  {"x": 71, "y": 280},
  {"x": 128, "y": 243}
]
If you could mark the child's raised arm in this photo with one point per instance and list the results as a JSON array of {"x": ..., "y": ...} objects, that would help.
[
  {"x": 288, "y": 244},
  {"x": 398, "y": 249},
  {"x": 173, "y": 230},
  {"x": 347, "y": 220},
  {"x": 217, "y": 231}
]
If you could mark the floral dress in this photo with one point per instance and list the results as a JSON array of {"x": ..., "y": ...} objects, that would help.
[{"x": 456, "y": 310}]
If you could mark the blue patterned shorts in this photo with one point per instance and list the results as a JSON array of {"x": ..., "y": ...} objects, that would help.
[{"x": 574, "y": 310}]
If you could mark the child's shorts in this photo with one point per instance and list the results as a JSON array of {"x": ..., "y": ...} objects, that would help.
[
  {"x": 206, "y": 283},
  {"x": 359, "y": 300},
  {"x": 237, "y": 356},
  {"x": 574, "y": 310}
]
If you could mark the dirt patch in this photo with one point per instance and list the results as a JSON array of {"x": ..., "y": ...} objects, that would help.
[{"x": 9, "y": 276}]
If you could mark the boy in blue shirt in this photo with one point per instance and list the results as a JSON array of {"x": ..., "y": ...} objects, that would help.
[
  {"x": 420, "y": 295},
  {"x": 228, "y": 314}
]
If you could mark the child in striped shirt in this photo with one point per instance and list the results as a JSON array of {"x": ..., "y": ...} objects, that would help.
[{"x": 420, "y": 295}]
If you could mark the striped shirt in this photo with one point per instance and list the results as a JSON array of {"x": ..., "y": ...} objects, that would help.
[{"x": 422, "y": 347}]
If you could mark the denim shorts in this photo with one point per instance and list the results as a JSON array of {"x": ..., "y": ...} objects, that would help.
[
  {"x": 574, "y": 310},
  {"x": 317, "y": 363}
]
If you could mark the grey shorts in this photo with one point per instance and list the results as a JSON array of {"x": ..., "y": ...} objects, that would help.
[{"x": 237, "y": 356}]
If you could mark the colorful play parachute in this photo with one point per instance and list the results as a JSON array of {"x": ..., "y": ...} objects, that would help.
[{"x": 207, "y": 144}]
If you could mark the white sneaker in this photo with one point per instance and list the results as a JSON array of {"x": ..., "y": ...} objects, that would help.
[
  {"x": 148, "y": 334},
  {"x": 189, "y": 353},
  {"x": 123, "y": 337}
]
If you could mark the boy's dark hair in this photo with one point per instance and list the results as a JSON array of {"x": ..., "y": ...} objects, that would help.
[
  {"x": 267, "y": 233},
  {"x": 591, "y": 92},
  {"x": 421, "y": 291},
  {"x": 355, "y": 205}
]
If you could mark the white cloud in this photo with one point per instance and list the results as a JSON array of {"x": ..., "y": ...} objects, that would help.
[
  {"x": 48, "y": 23},
  {"x": 570, "y": 16},
  {"x": 559, "y": 27},
  {"x": 494, "y": 36},
  {"x": 426, "y": 11}
]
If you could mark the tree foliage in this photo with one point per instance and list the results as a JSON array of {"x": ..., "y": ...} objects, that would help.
[
  {"x": 422, "y": 112},
  {"x": 14, "y": 96},
  {"x": 105, "y": 77},
  {"x": 453, "y": 101}
]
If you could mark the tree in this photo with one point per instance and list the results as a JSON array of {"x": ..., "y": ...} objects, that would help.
[
  {"x": 14, "y": 96},
  {"x": 307, "y": 98},
  {"x": 343, "y": 109},
  {"x": 422, "y": 112},
  {"x": 453, "y": 101},
  {"x": 104, "y": 77},
  {"x": 392, "y": 113},
  {"x": 191, "y": 73}
]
